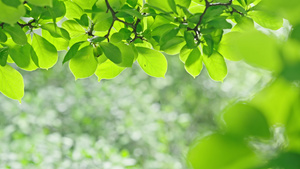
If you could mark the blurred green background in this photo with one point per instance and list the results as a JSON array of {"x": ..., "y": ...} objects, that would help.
[{"x": 132, "y": 121}]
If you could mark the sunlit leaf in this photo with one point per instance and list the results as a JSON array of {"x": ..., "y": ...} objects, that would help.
[
  {"x": 245, "y": 120},
  {"x": 12, "y": 84},
  {"x": 152, "y": 62},
  {"x": 112, "y": 52},
  {"x": 17, "y": 34},
  {"x": 193, "y": 64},
  {"x": 216, "y": 66},
  {"x": 83, "y": 64},
  {"x": 72, "y": 52},
  {"x": 11, "y": 14},
  {"x": 108, "y": 70},
  {"x": 266, "y": 19},
  {"x": 228, "y": 151},
  {"x": 3, "y": 56},
  {"x": 41, "y": 3},
  {"x": 45, "y": 51}
]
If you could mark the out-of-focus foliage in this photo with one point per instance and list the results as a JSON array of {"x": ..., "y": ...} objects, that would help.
[
  {"x": 133, "y": 121},
  {"x": 262, "y": 131}
]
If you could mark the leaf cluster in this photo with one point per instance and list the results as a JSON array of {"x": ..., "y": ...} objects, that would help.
[{"x": 104, "y": 37}]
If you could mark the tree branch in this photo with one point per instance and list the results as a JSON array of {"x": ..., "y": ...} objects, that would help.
[
  {"x": 207, "y": 5},
  {"x": 115, "y": 18}
]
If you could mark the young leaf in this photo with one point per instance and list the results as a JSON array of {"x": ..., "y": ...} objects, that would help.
[
  {"x": 12, "y": 3},
  {"x": 266, "y": 20},
  {"x": 172, "y": 5},
  {"x": 10, "y": 14},
  {"x": 83, "y": 64},
  {"x": 189, "y": 38},
  {"x": 56, "y": 31},
  {"x": 108, "y": 70},
  {"x": 193, "y": 64},
  {"x": 230, "y": 152},
  {"x": 21, "y": 55},
  {"x": 209, "y": 47},
  {"x": 127, "y": 55},
  {"x": 41, "y": 3},
  {"x": 73, "y": 28},
  {"x": 152, "y": 62},
  {"x": 3, "y": 55},
  {"x": 112, "y": 52},
  {"x": 3, "y": 37},
  {"x": 184, "y": 53},
  {"x": 12, "y": 84},
  {"x": 17, "y": 34},
  {"x": 72, "y": 52},
  {"x": 46, "y": 52},
  {"x": 245, "y": 120},
  {"x": 216, "y": 66}
]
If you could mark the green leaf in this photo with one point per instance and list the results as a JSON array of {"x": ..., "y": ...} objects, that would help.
[
  {"x": 184, "y": 53},
  {"x": 17, "y": 34},
  {"x": 102, "y": 21},
  {"x": 83, "y": 64},
  {"x": 258, "y": 50},
  {"x": 221, "y": 151},
  {"x": 3, "y": 55},
  {"x": 56, "y": 31},
  {"x": 266, "y": 20},
  {"x": 227, "y": 46},
  {"x": 216, "y": 66},
  {"x": 10, "y": 14},
  {"x": 59, "y": 42},
  {"x": 193, "y": 64},
  {"x": 244, "y": 120},
  {"x": 152, "y": 62},
  {"x": 21, "y": 55},
  {"x": 220, "y": 23},
  {"x": 295, "y": 34},
  {"x": 116, "y": 37},
  {"x": 276, "y": 101},
  {"x": 12, "y": 84},
  {"x": 112, "y": 52},
  {"x": 83, "y": 21},
  {"x": 288, "y": 160},
  {"x": 172, "y": 5},
  {"x": 132, "y": 12},
  {"x": 208, "y": 48},
  {"x": 183, "y": 3},
  {"x": 189, "y": 38},
  {"x": 133, "y": 3},
  {"x": 85, "y": 4},
  {"x": 243, "y": 23},
  {"x": 98, "y": 52},
  {"x": 46, "y": 52},
  {"x": 41, "y": 3},
  {"x": 73, "y": 28},
  {"x": 12, "y": 3},
  {"x": 96, "y": 39},
  {"x": 3, "y": 37},
  {"x": 168, "y": 35},
  {"x": 127, "y": 55},
  {"x": 72, "y": 52},
  {"x": 73, "y": 10},
  {"x": 159, "y": 4},
  {"x": 57, "y": 10},
  {"x": 108, "y": 70}
]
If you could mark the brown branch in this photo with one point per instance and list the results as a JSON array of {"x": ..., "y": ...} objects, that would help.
[
  {"x": 27, "y": 24},
  {"x": 115, "y": 18},
  {"x": 207, "y": 5}
]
